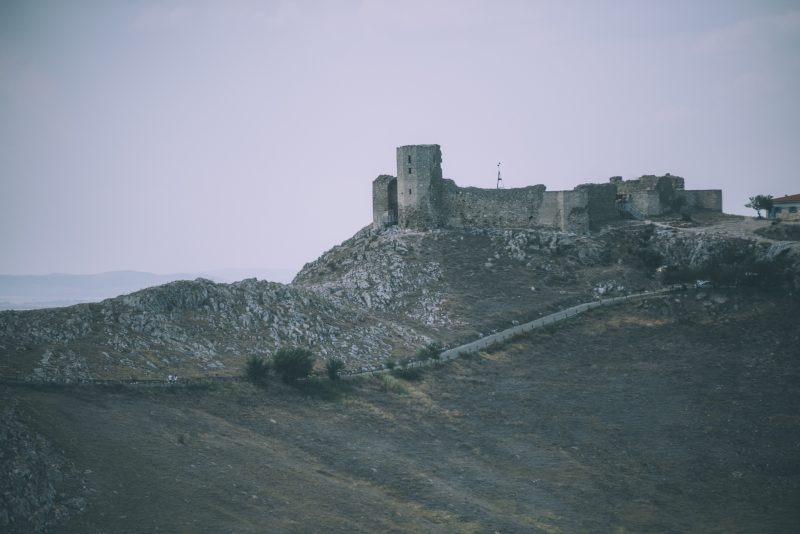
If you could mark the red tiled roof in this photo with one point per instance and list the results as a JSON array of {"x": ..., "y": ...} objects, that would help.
[{"x": 788, "y": 198}]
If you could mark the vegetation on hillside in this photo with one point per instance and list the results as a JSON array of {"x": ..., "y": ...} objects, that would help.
[
  {"x": 760, "y": 202},
  {"x": 333, "y": 367},
  {"x": 256, "y": 369},
  {"x": 431, "y": 351},
  {"x": 293, "y": 363},
  {"x": 667, "y": 399}
]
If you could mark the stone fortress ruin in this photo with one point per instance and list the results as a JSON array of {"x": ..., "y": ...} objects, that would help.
[{"x": 420, "y": 198}]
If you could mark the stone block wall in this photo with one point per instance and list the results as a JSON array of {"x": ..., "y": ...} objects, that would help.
[
  {"x": 420, "y": 198},
  {"x": 647, "y": 201},
  {"x": 566, "y": 210},
  {"x": 494, "y": 208},
  {"x": 419, "y": 183},
  {"x": 706, "y": 199},
  {"x": 601, "y": 204},
  {"x": 384, "y": 201}
]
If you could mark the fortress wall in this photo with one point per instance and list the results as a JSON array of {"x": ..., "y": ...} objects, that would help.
[
  {"x": 601, "y": 203},
  {"x": 567, "y": 210},
  {"x": 551, "y": 209},
  {"x": 649, "y": 182},
  {"x": 420, "y": 198},
  {"x": 648, "y": 202},
  {"x": 709, "y": 199},
  {"x": 384, "y": 201},
  {"x": 494, "y": 208},
  {"x": 575, "y": 211}
]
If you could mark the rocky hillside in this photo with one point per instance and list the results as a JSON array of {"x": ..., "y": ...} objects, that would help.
[
  {"x": 379, "y": 295},
  {"x": 459, "y": 284},
  {"x": 188, "y": 328}
]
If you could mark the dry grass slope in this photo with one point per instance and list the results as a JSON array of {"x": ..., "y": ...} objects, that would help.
[{"x": 677, "y": 414}]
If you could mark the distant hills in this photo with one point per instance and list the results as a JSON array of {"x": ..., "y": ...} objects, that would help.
[{"x": 27, "y": 292}]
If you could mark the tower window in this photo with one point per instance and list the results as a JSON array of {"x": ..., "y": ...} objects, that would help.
[
  {"x": 409, "y": 191},
  {"x": 409, "y": 170},
  {"x": 409, "y": 160}
]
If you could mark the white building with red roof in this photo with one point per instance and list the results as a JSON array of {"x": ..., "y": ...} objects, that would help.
[{"x": 786, "y": 208}]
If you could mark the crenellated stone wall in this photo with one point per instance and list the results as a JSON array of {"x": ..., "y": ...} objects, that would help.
[
  {"x": 420, "y": 198},
  {"x": 490, "y": 208}
]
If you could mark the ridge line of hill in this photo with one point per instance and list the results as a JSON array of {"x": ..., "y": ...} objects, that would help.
[{"x": 447, "y": 355}]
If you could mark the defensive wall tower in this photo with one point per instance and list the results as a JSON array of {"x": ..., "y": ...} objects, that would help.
[
  {"x": 384, "y": 201},
  {"x": 419, "y": 186}
]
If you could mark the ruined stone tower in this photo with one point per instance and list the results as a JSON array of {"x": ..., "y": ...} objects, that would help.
[{"x": 419, "y": 186}]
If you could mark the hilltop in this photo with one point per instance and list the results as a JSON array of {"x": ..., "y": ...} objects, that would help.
[
  {"x": 379, "y": 295},
  {"x": 543, "y": 434}
]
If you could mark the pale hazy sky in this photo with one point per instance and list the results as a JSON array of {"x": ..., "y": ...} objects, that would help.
[{"x": 182, "y": 136}]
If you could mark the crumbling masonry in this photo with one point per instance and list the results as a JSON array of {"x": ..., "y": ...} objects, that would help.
[{"x": 420, "y": 198}]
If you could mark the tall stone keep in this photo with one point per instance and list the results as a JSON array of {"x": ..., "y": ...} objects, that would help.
[{"x": 419, "y": 186}]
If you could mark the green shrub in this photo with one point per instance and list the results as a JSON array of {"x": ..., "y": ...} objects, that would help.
[
  {"x": 332, "y": 368},
  {"x": 391, "y": 364},
  {"x": 256, "y": 369},
  {"x": 430, "y": 351},
  {"x": 293, "y": 363}
]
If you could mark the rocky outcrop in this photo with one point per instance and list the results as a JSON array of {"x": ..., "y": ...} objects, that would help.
[
  {"x": 381, "y": 294},
  {"x": 411, "y": 274},
  {"x": 190, "y": 328},
  {"x": 698, "y": 249},
  {"x": 380, "y": 271}
]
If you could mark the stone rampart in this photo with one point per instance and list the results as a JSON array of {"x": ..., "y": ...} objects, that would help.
[
  {"x": 420, "y": 198},
  {"x": 384, "y": 200},
  {"x": 648, "y": 202},
  {"x": 490, "y": 208},
  {"x": 601, "y": 205},
  {"x": 707, "y": 199},
  {"x": 567, "y": 210}
]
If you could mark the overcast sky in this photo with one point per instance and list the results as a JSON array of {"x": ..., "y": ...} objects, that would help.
[{"x": 181, "y": 136}]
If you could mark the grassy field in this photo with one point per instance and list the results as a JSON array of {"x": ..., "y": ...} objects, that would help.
[{"x": 674, "y": 415}]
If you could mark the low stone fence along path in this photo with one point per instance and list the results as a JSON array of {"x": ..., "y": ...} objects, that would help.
[
  {"x": 499, "y": 337},
  {"x": 447, "y": 355}
]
